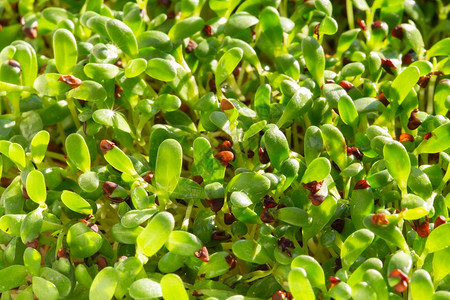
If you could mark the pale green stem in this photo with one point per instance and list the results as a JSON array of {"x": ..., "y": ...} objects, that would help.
[
  {"x": 237, "y": 147},
  {"x": 296, "y": 137},
  {"x": 236, "y": 88},
  {"x": 61, "y": 133},
  {"x": 445, "y": 179},
  {"x": 73, "y": 112},
  {"x": 350, "y": 17},
  {"x": 371, "y": 13},
  {"x": 421, "y": 259},
  {"x": 289, "y": 135},
  {"x": 55, "y": 155},
  {"x": 430, "y": 95},
  {"x": 242, "y": 73},
  {"x": 347, "y": 182},
  {"x": 253, "y": 231},
  {"x": 187, "y": 217}
]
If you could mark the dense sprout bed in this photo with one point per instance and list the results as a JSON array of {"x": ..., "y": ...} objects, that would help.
[{"x": 224, "y": 149}]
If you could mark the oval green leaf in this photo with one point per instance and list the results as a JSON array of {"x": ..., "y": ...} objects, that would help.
[
  {"x": 76, "y": 203},
  {"x": 78, "y": 152}
]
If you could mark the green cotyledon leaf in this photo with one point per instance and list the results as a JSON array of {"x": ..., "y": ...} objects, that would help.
[
  {"x": 78, "y": 152},
  {"x": 49, "y": 85},
  {"x": 397, "y": 163},
  {"x": 441, "y": 264},
  {"x": 412, "y": 37},
  {"x": 299, "y": 103},
  {"x": 155, "y": 39},
  {"x": 125, "y": 235},
  {"x": 288, "y": 65},
  {"x": 26, "y": 55},
  {"x": 347, "y": 111},
  {"x": 36, "y": 187},
  {"x": 324, "y": 6},
  {"x": 133, "y": 218},
  {"x": 271, "y": 27},
  {"x": 96, "y": 23},
  {"x": 400, "y": 260},
  {"x": 361, "y": 4},
  {"x": 17, "y": 155},
  {"x": 341, "y": 291},
  {"x": 122, "y": 36},
  {"x": 420, "y": 183},
  {"x": 294, "y": 216},
  {"x": 32, "y": 260},
  {"x": 361, "y": 204},
  {"x": 437, "y": 239},
  {"x": 277, "y": 146},
  {"x": 39, "y": 145},
  {"x": 173, "y": 288},
  {"x": 76, "y": 203},
  {"x": 262, "y": 100},
  {"x": 136, "y": 67},
  {"x": 254, "y": 129},
  {"x": 375, "y": 280},
  {"x": 216, "y": 266},
  {"x": 94, "y": 5},
  {"x": 421, "y": 285},
  {"x": 31, "y": 225},
  {"x": 299, "y": 284},
  {"x": 188, "y": 189},
  {"x": 12, "y": 277},
  {"x": 317, "y": 170},
  {"x": 117, "y": 158},
  {"x": 127, "y": 270},
  {"x": 250, "y": 251},
  {"x": 238, "y": 22},
  {"x": 358, "y": 275},
  {"x": 155, "y": 234},
  {"x": 82, "y": 241},
  {"x": 161, "y": 69},
  {"x": 44, "y": 289},
  {"x": 104, "y": 284},
  {"x": 186, "y": 28},
  {"x": 314, "y": 58},
  {"x": 362, "y": 290},
  {"x": 313, "y": 270},
  {"x": 354, "y": 245},
  {"x": 335, "y": 145},
  {"x": 227, "y": 64},
  {"x": 11, "y": 223},
  {"x": 98, "y": 70},
  {"x": 250, "y": 54},
  {"x": 168, "y": 166},
  {"x": 389, "y": 232},
  {"x": 209, "y": 168},
  {"x": 441, "y": 48},
  {"x": 403, "y": 84},
  {"x": 313, "y": 144},
  {"x": 167, "y": 102},
  {"x": 438, "y": 141},
  {"x": 346, "y": 39},
  {"x": 89, "y": 91},
  {"x": 320, "y": 216},
  {"x": 183, "y": 243},
  {"x": 253, "y": 184},
  {"x": 145, "y": 288},
  {"x": 171, "y": 262},
  {"x": 328, "y": 26},
  {"x": 65, "y": 51}
]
